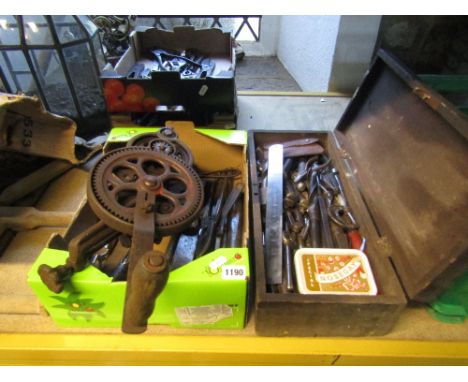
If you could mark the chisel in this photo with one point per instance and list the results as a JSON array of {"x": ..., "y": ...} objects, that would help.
[{"x": 274, "y": 216}]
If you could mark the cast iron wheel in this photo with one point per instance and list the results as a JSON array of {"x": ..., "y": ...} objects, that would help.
[
  {"x": 119, "y": 175},
  {"x": 164, "y": 143}
]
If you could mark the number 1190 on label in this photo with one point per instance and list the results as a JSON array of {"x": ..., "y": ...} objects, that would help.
[{"x": 233, "y": 272}]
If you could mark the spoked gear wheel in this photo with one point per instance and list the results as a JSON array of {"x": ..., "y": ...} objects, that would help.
[
  {"x": 166, "y": 142},
  {"x": 121, "y": 174}
]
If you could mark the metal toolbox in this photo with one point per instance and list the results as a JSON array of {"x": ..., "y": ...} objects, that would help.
[{"x": 402, "y": 149}]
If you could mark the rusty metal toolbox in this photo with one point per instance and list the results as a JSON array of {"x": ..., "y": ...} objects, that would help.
[{"x": 403, "y": 150}]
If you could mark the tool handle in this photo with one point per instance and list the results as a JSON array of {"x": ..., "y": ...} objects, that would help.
[
  {"x": 206, "y": 238},
  {"x": 327, "y": 238},
  {"x": 147, "y": 281},
  {"x": 79, "y": 249},
  {"x": 314, "y": 228},
  {"x": 355, "y": 239},
  {"x": 21, "y": 218}
]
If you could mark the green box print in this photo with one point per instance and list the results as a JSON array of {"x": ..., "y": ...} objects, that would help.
[{"x": 209, "y": 292}]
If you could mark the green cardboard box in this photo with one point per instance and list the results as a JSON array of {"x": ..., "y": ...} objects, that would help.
[{"x": 209, "y": 292}]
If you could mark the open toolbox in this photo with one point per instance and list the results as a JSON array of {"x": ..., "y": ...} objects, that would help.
[
  {"x": 205, "y": 290},
  {"x": 400, "y": 150}
]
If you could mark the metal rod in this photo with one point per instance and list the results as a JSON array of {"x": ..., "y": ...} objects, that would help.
[
  {"x": 42, "y": 46},
  {"x": 10, "y": 68},
  {"x": 30, "y": 64},
  {"x": 93, "y": 51},
  {"x": 4, "y": 80}
]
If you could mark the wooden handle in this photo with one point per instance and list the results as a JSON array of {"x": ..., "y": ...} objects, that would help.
[{"x": 21, "y": 218}]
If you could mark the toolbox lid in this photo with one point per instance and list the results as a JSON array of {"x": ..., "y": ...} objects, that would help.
[{"x": 409, "y": 148}]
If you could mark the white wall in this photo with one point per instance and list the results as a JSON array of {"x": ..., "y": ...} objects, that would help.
[
  {"x": 269, "y": 33},
  {"x": 353, "y": 52},
  {"x": 322, "y": 53},
  {"x": 306, "y": 45}
]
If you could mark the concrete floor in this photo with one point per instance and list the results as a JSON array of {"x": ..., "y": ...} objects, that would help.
[{"x": 264, "y": 73}]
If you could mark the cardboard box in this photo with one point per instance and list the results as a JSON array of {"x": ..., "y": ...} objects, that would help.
[
  {"x": 402, "y": 151},
  {"x": 197, "y": 100},
  {"x": 200, "y": 294}
]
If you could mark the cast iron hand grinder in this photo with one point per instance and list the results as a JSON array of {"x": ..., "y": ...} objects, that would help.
[{"x": 140, "y": 191}]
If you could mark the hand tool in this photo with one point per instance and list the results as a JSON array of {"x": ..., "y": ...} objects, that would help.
[
  {"x": 165, "y": 141},
  {"x": 299, "y": 151},
  {"x": 287, "y": 165},
  {"x": 188, "y": 64},
  {"x": 327, "y": 238},
  {"x": 184, "y": 251},
  {"x": 294, "y": 224},
  {"x": 24, "y": 218},
  {"x": 161, "y": 52},
  {"x": 33, "y": 181},
  {"x": 164, "y": 197},
  {"x": 303, "y": 235},
  {"x": 340, "y": 237},
  {"x": 263, "y": 188},
  {"x": 163, "y": 200},
  {"x": 260, "y": 155},
  {"x": 136, "y": 70},
  {"x": 234, "y": 231},
  {"x": 299, "y": 219},
  {"x": 343, "y": 217},
  {"x": 120, "y": 272},
  {"x": 304, "y": 202},
  {"x": 260, "y": 167},
  {"x": 314, "y": 228},
  {"x": 301, "y": 171},
  {"x": 112, "y": 258},
  {"x": 342, "y": 211},
  {"x": 301, "y": 186},
  {"x": 115, "y": 265},
  {"x": 293, "y": 143},
  {"x": 231, "y": 199},
  {"x": 288, "y": 262},
  {"x": 208, "y": 67},
  {"x": 228, "y": 173},
  {"x": 292, "y": 196},
  {"x": 262, "y": 170},
  {"x": 210, "y": 219},
  {"x": 99, "y": 258},
  {"x": 80, "y": 248},
  {"x": 274, "y": 216},
  {"x": 205, "y": 226}
]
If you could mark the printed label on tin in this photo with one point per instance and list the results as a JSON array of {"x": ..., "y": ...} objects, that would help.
[{"x": 335, "y": 273}]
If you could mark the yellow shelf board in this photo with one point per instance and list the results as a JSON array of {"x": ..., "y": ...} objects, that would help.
[{"x": 120, "y": 349}]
